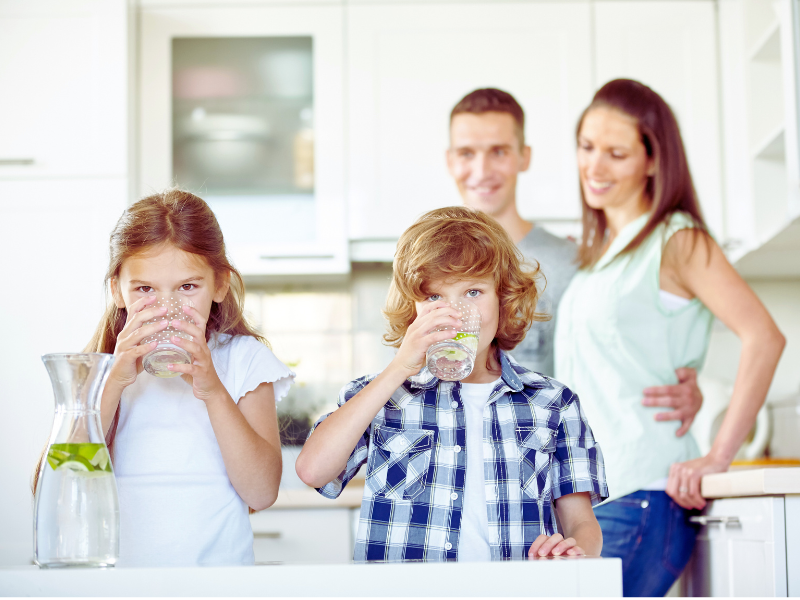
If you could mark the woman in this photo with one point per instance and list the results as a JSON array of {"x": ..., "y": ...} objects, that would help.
[{"x": 650, "y": 281}]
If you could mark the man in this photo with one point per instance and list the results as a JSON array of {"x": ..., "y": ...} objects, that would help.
[{"x": 487, "y": 153}]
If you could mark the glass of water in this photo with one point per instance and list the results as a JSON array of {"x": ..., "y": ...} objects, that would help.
[
  {"x": 156, "y": 362},
  {"x": 454, "y": 359}
]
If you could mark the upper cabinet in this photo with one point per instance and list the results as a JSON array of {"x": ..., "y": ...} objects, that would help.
[
  {"x": 63, "y": 105},
  {"x": 758, "y": 66},
  {"x": 410, "y": 63},
  {"x": 671, "y": 47},
  {"x": 244, "y": 106}
]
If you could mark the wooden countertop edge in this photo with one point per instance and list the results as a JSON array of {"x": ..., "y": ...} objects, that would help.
[
  {"x": 311, "y": 498},
  {"x": 752, "y": 482}
]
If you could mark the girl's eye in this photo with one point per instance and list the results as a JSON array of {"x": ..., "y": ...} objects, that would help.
[
  {"x": 473, "y": 293},
  {"x": 434, "y": 297},
  {"x": 145, "y": 289},
  {"x": 188, "y": 287}
]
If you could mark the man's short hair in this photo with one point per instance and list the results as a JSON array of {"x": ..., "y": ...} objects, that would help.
[{"x": 492, "y": 100}]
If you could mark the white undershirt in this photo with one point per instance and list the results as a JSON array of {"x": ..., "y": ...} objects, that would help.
[
  {"x": 473, "y": 543},
  {"x": 669, "y": 301}
]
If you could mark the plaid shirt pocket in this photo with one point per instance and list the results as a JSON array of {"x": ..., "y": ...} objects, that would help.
[
  {"x": 536, "y": 448},
  {"x": 399, "y": 462}
]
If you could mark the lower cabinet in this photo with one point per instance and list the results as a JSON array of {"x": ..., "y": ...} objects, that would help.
[
  {"x": 304, "y": 535},
  {"x": 745, "y": 547}
]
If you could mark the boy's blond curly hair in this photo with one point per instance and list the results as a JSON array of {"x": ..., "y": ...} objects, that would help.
[{"x": 462, "y": 243}]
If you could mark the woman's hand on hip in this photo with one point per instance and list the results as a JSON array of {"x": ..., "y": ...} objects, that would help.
[
  {"x": 201, "y": 373},
  {"x": 684, "y": 398},
  {"x": 683, "y": 485}
]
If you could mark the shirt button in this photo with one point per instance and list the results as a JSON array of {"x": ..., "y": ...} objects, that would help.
[
  {"x": 457, "y": 449},
  {"x": 448, "y": 546},
  {"x": 454, "y": 404},
  {"x": 645, "y": 504},
  {"x": 454, "y": 496}
]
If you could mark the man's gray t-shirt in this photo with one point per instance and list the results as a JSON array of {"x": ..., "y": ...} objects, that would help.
[{"x": 556, "y": 257}]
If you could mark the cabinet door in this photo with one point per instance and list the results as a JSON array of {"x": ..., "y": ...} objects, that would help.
[
  {"x": 409, "y": 65},
  {"x": 746, "y": 557},
  {"x": 63, "y": 76},
  {"x": 671, "y": 47},
  {"x": 54, "y": 243},
  {"x": 237, "y": 119},
  {"x": 303, "y": 535}
]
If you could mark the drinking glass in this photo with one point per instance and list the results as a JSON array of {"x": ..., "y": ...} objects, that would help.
[
  {"x": 454, "y": 359},
  {"x": 156, "y": 362}
]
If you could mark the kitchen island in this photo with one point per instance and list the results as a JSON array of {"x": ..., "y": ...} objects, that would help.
[{"x": 544, "y": 577}]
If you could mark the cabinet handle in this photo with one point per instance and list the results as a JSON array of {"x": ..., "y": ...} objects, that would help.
[
  {"x": 709, "y": 520},
  {"x": 270, "y": 535},
  {"x": 16, "y": 162}
]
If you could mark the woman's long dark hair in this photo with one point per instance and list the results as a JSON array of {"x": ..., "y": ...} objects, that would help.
[{"x": 669, "y": 189}]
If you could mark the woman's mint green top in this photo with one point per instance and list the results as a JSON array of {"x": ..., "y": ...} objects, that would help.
[{"x": 613, "y": 339}]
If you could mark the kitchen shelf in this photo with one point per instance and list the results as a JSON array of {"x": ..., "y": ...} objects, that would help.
[
  {"x": 773, "y": 146},
  {"x": 768, "y": 46}
]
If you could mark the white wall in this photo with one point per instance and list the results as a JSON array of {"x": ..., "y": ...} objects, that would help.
[{"x": 782, "y": 299}]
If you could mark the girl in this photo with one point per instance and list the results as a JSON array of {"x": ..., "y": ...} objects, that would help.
[
  {"x": 650, "y": 281},
  {"x": 191, "y": 453}
]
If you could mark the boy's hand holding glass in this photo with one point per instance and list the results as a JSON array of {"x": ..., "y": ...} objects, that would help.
[
  {"x": 453, "y": 359},
  {"x": 424, "y": 332},
  {"x": 200, "y": 372}
]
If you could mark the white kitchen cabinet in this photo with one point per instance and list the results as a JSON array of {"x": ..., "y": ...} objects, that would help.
[
  {"x": 758, "y": 75},
  {"x": 268, "y": 232},
  {"x": 410, "y": 63},
  {"x": 63, "y": 106},
  {"x": 302, "y": 535},
  {"x": 54, "y": 242},
  {"x": 747, "y": 547},
  {"x": 672, "y": 48}
]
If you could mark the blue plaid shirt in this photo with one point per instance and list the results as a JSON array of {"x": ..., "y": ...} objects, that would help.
[{"x": 537, "y": 447}]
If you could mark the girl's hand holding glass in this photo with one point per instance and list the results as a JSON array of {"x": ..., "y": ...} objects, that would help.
[
  {"x": 128, "y": 351},
  {"x": 424, "y": 332},
  {"x": 200, "y": 372}
]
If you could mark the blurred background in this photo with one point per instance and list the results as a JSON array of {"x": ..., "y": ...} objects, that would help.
[{"x": 317, "y": 132}]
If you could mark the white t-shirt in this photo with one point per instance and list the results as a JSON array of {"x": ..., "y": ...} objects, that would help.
[
  {"x": 473, "y": 542},
  {"x": 177, "y": 505}
]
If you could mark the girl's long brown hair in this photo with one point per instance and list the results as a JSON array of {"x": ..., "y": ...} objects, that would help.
[
  {"x": 186, "y": 222},
  {"x": 669, "y": 189}
]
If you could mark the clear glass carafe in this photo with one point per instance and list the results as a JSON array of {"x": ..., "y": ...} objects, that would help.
[{"x": 76, "y": 513}]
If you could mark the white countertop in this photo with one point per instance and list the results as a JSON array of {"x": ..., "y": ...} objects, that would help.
[
  {"x": 752, "y": 482},
  {"x": 558, "y": 577}
]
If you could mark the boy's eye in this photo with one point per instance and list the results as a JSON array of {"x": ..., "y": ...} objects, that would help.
[
  {"x": 473, "y": 293},
  {"x": 434, "y": 297}
]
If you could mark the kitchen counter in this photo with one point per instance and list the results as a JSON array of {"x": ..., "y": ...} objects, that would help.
[
  {"x": 553, "y": 577},
  {"x": 752, "y": 482},
  {"x": 292, "y": 498}
]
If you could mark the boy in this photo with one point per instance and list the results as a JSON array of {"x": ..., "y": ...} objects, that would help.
[{"x": 467, "y": 470}]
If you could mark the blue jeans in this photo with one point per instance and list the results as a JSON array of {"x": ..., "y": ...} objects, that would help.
[{"x": 653, "y": 537}]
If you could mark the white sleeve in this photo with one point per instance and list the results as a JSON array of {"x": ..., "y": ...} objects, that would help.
[{"x": 256, "y": 364}]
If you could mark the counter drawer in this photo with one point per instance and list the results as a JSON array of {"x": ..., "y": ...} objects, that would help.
[{"x": 758, "y": 519}]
